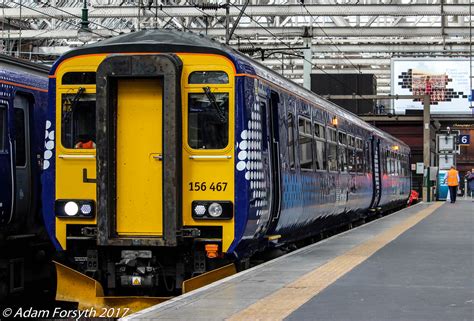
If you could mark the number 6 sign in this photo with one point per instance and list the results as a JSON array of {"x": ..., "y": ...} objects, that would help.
[{"x": 464, "y": 139}]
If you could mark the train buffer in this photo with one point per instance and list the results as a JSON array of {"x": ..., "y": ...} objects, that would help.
[{"x": 415, "y": 264}]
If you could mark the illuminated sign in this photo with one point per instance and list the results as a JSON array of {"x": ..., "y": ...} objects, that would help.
[{"x": 445, "y": 80}]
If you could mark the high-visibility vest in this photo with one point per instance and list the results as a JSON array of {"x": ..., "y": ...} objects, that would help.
[
  {"x": 452, "y": 178},
  {"x": 86, "y": 145}
]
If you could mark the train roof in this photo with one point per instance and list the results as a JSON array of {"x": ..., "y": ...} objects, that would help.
[
  {"x": 22, "y": 65},
  {"x": 167, "y": 40},
  {"x": 23, "y": 73}
]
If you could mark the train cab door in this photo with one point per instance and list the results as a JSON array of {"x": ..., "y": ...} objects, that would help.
[
  {"x": 22, "y": 156},
  {"x": 376, "y": 173},
  {"x": 275, "y": 169},
  {"x": 138, "y": 150},
  {"x": 6, "y": 167},
  {"x": 139, "y": 157}
]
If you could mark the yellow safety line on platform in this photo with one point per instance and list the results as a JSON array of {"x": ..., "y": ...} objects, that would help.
[{"x": 283, "y": 302}]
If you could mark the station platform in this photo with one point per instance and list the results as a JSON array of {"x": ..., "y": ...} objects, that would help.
[{"x": 416, "y": 264}]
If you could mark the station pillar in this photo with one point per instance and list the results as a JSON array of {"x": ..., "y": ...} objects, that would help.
[{"x": 426, "y": 148}]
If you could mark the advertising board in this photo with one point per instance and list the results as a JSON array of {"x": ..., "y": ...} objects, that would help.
[{"x": 447, "y": 81}]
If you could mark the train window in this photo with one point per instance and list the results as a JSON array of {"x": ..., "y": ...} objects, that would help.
[
  {"x": 208, "y": 120},
  {"x": 351, "y": 154},
  {"x": 291, "y": 141},
  {"x": 320, "y": 135},
  {"x": 351, "y": 159},
  {"x": 78, "y": 120},
  {"x": 359, "y": 161},
  {"x": 342, "y": 138},
  {"x": 76, "y": 78},
  {"x": 208, "y": 77},
  {"x": 3, "y": 127},
  {"x": 20, "y": 138},
  {"x": 351, "y": 141},
  {"x": 342, "y": 155},
  {"x": 319, "y": 131},
  {"x": 332, "y": 150},
  {"x": 305, "y": 144}
]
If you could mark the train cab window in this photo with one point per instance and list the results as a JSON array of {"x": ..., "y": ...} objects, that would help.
[
  {"x": 332, "y": 149},
  {"x": 208, "y": 120},
  {"x": 342, "y": 155},
  {"x": 78, "y": 121},
  {"x": 76, "y": 78},
  {"x": 291, "y": 141},
  {"x": 319, "y": 137},
  {"x": 305, "y": 140},
  {"x": 208, "y": 77},
  {"x": 3, "y": 127}
]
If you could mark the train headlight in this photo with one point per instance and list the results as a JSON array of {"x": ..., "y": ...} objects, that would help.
[
  {"x": 215, "y": 210},
  {"x": 71, "y": 208},
  {"x": 212, "y": 210},
  {"x": 199, "y": 210},
  {"x": 75, "y": 208}
]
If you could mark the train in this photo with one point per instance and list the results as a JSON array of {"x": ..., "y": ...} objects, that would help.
[
  {"x": 25, "y": 247},
  {"x": 174, "y": 155}
]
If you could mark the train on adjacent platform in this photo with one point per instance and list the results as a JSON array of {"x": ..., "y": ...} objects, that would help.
[
  {"x": 24, "y": 244},
  {"x": 173, "y": 155}
]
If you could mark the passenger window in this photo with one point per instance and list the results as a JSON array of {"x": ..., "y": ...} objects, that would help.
[
  {"x": 332, "y": 149},
  {"x": 79, "y": 78},
  {"x": 208, "y": 120},
  {"x": 20, "y": 138},
  {"x": 78, "y": 121},
  {"x": 208, "y": 77},
  {"x": 359, "y": 161},
  {"x": 319, "y": 137},
  {"x": 305, "y": 144},
  {"x": 342, "y": 152},
  {"x": 3, "y": 127}
]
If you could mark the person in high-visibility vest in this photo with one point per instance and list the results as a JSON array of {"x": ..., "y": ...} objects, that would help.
[
  {"x": 452, "y": 178},
  {"x": 85, "y": 142}
]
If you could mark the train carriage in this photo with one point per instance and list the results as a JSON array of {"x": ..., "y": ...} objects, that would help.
[
  {"x": 24, "y": 245},
  {"x": 174, "y": 155}
]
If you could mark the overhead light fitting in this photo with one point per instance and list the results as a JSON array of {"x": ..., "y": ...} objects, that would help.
[{"x": 84, "y": 34}]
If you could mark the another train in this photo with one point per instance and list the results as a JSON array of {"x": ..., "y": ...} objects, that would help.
[
  {"x": 173, "y": 154},
  {"x": 24, "y": 244}
]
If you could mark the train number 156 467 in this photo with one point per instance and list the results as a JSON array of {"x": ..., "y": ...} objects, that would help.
[{"x": 203, "y": 186}]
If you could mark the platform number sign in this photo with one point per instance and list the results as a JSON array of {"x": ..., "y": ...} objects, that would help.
[{"x": 464, "y": 139}]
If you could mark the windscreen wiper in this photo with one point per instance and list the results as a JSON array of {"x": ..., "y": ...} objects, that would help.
[
  {"x": 74, "y": 102},
  {"x": 212, "y": 100}
]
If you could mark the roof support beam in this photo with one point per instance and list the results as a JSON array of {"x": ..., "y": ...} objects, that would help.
[
  {"x": 278, "y": 32},
  {"x": 111, "y": 11}
]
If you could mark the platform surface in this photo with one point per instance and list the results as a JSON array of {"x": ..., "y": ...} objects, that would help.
[{"x": 416, "y": 264}]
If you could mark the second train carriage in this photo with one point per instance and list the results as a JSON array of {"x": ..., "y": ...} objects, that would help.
[
  {"x": 174, "y": 154},
  {"x": 24, "y": 244}
]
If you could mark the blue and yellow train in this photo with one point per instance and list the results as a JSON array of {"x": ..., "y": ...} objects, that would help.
[
  {"x": 24, "y": 244},
  {"x": 173, "y": 155}
]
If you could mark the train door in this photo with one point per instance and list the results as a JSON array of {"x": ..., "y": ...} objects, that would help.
[
  {"x": 138, "y": 150},
  {"x": 139, "y": 157},
  {"x": 22, "y": 156},
  {"x": 376, "y": 172},
  {"x": 6, "y": 167},
  {"x": 275, "y": 170}
]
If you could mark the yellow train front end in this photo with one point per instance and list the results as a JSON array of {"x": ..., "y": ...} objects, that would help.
[{"x": 144, "y": 174}]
